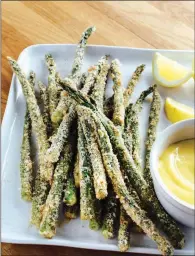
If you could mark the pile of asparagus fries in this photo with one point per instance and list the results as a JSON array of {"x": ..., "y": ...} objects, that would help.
[{"x": 89, "y": 153}]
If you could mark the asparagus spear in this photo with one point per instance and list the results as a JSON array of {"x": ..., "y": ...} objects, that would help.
[
  {"x": 119, "y": 110},
  {"x": 99, "y": 176},
  {"x": 46, "y": 169},
  {"x": 89, "y": 206},
  {"x": 99, "y": 87},
  {"x": 78, "y": 61},
  {"x": 153, "y": 122},
  {"x": 45, "y": 99},
  {"x": 127, "y": 200},
  {"x": 52, "y": 88},
  {"x": 132, "y": 83},
  {"x": 90, "y": 80},
  {"x": 145, "y": 192},
  {"x": 124, "y": 228},
  {"x": 61, "y": 136},
  {"x": 118, "y": 120},
  {"x": 51, "y": 208},
  {"x": 26, "y": 164},
  {"x": 70, "y": 191},
  {"x": 86, "y": 189},
  {"x": 110, "y": 215},
  {"x": 133, "y": 126},
  {"x": 92, "y": 73}
]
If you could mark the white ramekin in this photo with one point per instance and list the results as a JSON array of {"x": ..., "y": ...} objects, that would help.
[{"x": 178, "y": 209}]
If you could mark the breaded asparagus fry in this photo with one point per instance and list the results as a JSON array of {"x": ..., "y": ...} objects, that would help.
[
  {"x": 51, "y": 208},
  {"x": 90, "y": 80},
  {"x": 100, "y": 84},
  {"x": 132, "y": 83},
  {"x": 118, "y": 120},
  {"x": 110, "y": 215},
  {"x": 78, "y": 61},
  {"x": 99, "y": 175},
  {"x": 70, "y": 191},
  {"x": 46, "y": 169},
  {"x": 59, "y": 139},
  {"x": 119, "y": 110},
  {"x": 52, "y": 88},
  {"x": 133, "y": 126},
  {"x": 26, "y": 164},
  {"x": 45, "y": 100},
  {"x": 124, "y": 228},
  {"x": 153, "y": 122},
  {"x": 87, "y": 194},
  {"x": 85, "y": 176}
]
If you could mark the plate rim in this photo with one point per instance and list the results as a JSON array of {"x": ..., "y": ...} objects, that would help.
[{"x": 5, "y": 237}]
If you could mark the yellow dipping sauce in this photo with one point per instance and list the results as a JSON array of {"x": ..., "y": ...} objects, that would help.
[{"x": 176, "y": 168}]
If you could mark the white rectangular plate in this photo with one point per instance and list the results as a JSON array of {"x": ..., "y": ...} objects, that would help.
[{"x": 15, "y": 212}]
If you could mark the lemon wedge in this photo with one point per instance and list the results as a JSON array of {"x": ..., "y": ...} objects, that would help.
[
  {"x": 169, "y": 73},
  {"x": 176, "y": 111}
]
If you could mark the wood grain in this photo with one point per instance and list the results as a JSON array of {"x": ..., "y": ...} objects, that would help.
[{"x": 146, "y": 24}]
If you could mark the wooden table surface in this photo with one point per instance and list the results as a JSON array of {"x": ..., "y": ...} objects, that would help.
[{"x": 155, "y": 24}]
